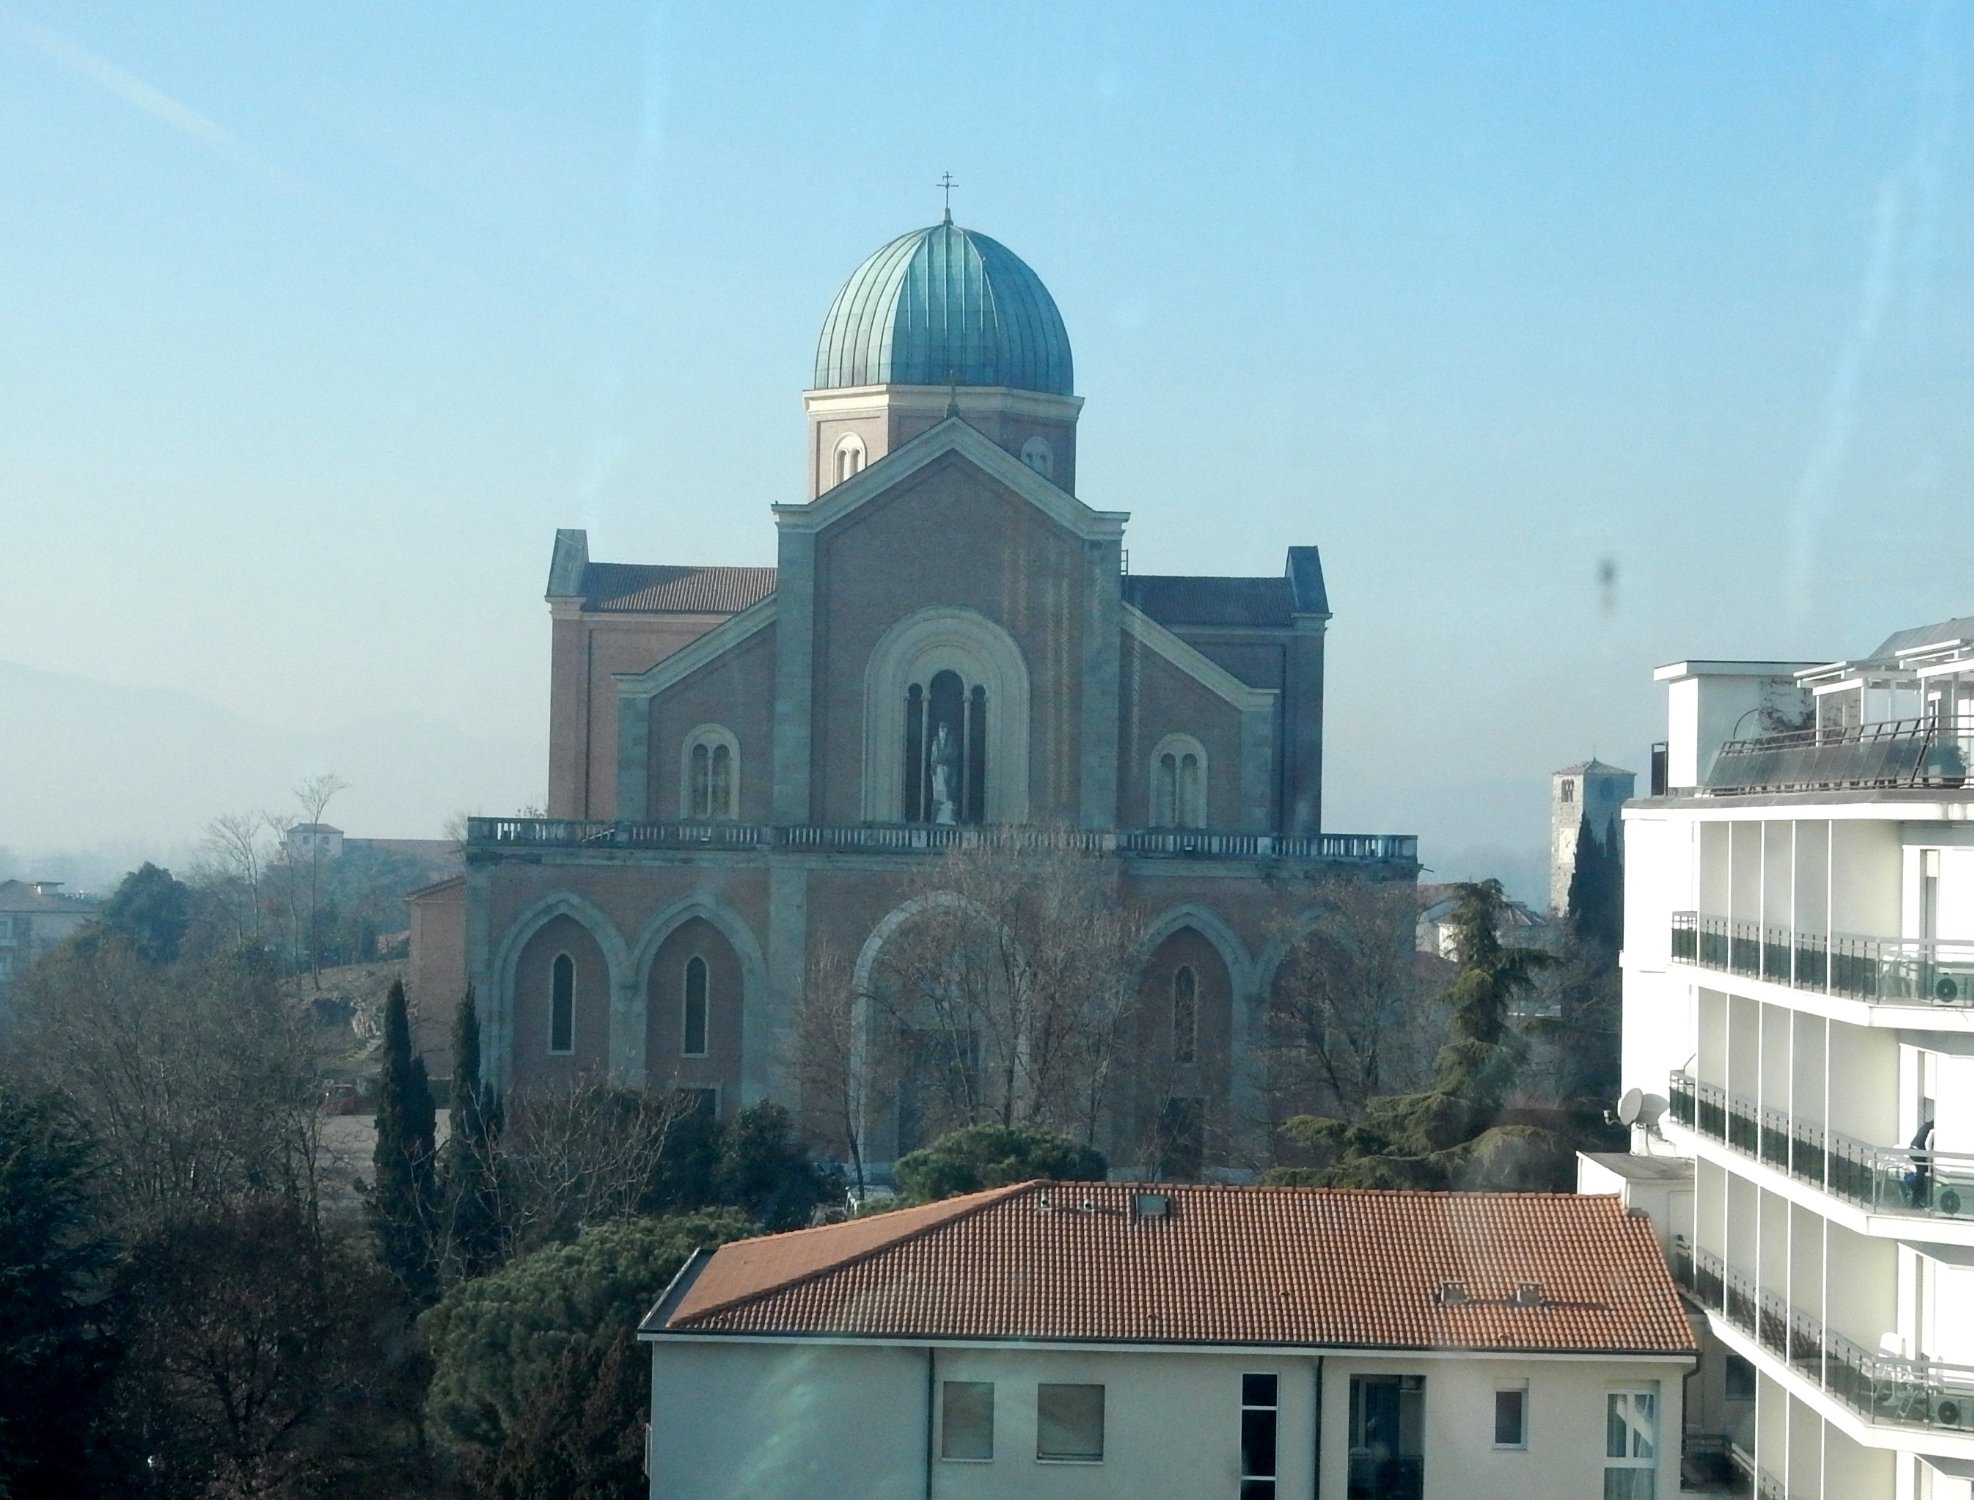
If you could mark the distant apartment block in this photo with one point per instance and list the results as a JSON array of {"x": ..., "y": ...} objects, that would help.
[{"x": 1799, "y": 1027}]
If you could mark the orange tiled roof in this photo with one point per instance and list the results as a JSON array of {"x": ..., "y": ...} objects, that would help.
[
  {"x": 650, "y": 588},
  {"x": 1312, "y": 1267}
]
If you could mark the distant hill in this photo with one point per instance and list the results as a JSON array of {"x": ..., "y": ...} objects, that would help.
[{"x": 128, "y": 772}]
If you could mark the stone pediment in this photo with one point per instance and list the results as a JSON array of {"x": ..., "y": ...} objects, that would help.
[{"x": 953, "y": 436}]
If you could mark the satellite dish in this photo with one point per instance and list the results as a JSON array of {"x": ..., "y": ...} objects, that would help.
[
  {"x": 1630, "y": 1106},
  {"x": 1653, "y": 1110}
]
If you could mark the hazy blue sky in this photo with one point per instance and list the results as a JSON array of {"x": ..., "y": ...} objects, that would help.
[{"x": 320, "y": 319}]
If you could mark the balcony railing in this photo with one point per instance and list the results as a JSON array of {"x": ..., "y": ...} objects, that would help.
[
  {"x": 1880, "y": 1388},
  {"x": 1903, "y": 971},
  {"x": 502, "y": 834},
  {"x": 1883, "y": 1179},
  {"x": 1898, "y": 753}
]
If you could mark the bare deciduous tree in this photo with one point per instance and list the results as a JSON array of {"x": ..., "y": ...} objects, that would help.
[
  {"x": 1348, "y": 1017},
  {"x": 197, "y": 1080},
  {"x": 828, "y": 1058},
  {"x": 313, "y": 796},
  {"x": 1002, "y": 997},
  {"x": 580, "y": 1156},
  {"x": 236, "y": 863}
]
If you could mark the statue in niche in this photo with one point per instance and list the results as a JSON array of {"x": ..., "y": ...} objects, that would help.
[{"x": 942, "y": 759}]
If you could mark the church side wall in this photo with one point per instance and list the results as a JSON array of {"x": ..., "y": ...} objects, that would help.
[
  {"x": 585, "y": 652},
  {"x": 948, "y": 538},
  {"x": 735, "y": 692},
  {"x": 1157, "y": 699}
]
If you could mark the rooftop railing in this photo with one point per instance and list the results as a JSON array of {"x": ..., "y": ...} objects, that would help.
[
  {"x": 1896, "y": 753},
  {"x": 501, "y": 834},
  {"x": 1903, "y": 971},
  {"x": 1884, "y": 1179},
  {"x": 1881, "y": 1388}
]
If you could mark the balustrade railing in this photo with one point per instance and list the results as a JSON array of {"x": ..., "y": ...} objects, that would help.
[
  {"x": 1908, "y": 971},
  {"x": 501, "y": 834},
  {"x": 1879, "y": 1387},
  {"x": 1885, "y": 1179}
]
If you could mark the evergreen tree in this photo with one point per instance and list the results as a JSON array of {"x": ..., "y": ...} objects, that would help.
[
  {"x": 55, "y": 1355},
  {"x": 1587, "y": 1026},
  {"x": 152, "y": 911},
  {"x": 401, "y": 1198},
  {"x": 976, "y": 1157},
  {"x": 1460, "y": 1132},
  {"x": 472, "y": 1221}
]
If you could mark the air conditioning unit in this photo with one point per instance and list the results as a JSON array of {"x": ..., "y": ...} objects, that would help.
[{"x": 1952, "y": 1409}]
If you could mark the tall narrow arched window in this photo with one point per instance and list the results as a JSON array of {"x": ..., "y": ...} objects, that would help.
[
  {"x": 709, "y": 774},
  {"x": 849, "y": 457},
  {"x": 1185, "y": 1014},
  {"x": 694, "y": 1041},
  {"x": 1039, "y": 456},
  {"x": 562, "y": 1004},
  {"x": 1178, "y": 783}
]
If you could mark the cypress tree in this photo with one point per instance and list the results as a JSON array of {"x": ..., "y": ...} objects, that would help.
[
  {"x": 401, "y": 1197},
  {"x": 473, "y": 1227},
  {"x": 1459, "y": 1132}
]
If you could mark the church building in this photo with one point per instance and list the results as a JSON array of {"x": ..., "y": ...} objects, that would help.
[{"x": 749, "y": 765}]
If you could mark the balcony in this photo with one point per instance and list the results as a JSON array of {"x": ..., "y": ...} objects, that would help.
[
  {"x": 1880, "y": 1179},
  {"x": 1896, "y": 754},
  {"x": 502, "y": 835},
  {"x": 1897, "y": 971},
  {"x": 1881, "y": 1388}
]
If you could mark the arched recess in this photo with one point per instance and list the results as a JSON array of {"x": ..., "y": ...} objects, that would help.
[
  {"x": 989, "y": 664},
  {"x": 709, "y": 773},
  {"x": 849, "y": 457},
  {"x": 900, "y": 1091},
  {"x": 736, "y": 982},
  {"x": 561, "y": 926},
  {"x": 1178, "y": 791},
  {"x": 1177, "y": 1118}
]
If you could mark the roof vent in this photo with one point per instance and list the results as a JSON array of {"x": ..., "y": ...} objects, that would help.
[
  {"x": 1153, "y": 1205},
  {"x": 1453, "y": 1294},
  {"x": 1528, "y": 1294}
]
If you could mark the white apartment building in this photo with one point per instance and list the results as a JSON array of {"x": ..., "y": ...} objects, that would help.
[{"x": 1799, "y": 1015}]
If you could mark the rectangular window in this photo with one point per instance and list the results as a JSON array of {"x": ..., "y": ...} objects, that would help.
[
  {"x": 1511, "y": 1416},
  {"x": 1260, "y": 1414},
  {"x": 1739, "y": 1375},
  {"x": 1069, "y": 1423},
  {"x": 1631, "y": 1445},
  {"x": 6, "y": 929},
  {"x": 1387, "y": 1437},
  {"x": 966, "y": 1420}
]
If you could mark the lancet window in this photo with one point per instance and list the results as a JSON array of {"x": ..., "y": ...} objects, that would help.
[
  {"x": 1178, "y": 789},
  {"x": 711, "y": 774}
]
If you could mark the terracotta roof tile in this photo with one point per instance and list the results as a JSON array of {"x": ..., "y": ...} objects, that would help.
[
  {"x": 1174, "y": 599},
  {"x": 1308, "y": 1267},
  {"x": 650, "y": 588}
]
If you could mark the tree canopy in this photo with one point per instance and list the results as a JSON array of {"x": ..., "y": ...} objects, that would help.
[
  {"x": 1460, "y": 1131},
  {"x": 495, "y": 1340},
  {"x": 986, "y": 1156}
]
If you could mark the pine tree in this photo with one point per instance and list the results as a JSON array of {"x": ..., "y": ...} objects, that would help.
[
  {"x": 1459, "y": 1132},
  {"x": 472, "y": 1221},
  {"x": 401, "y": 1198}
]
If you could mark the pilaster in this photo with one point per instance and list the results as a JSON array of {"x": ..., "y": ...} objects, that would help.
[
  {"x": 1102, "y": 651},
  {"x": 1257, "y": 765},
  {"x": 633, "y": 757},
  {"x": 795, "y": 653},
  {"x": 768, "y": 1021}
]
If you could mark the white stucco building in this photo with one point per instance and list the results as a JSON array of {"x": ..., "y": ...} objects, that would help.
[
  {"x": 1098, "y": 1339},
  {"x": 1799, "y": 1009}
]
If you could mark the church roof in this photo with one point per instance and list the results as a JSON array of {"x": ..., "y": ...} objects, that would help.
[
  {"x": 1174, "y": 599},
  {"x": 1593, "y": 767},
  {"x": 941, "y": 305},
  {"x": 658, "y": 589}
]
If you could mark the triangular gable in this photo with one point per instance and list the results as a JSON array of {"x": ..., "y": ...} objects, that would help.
[
  {"x": 1207, "y": 672},
  {"x": 954, "y": 435},
  {"x": 701, "y": 652}
]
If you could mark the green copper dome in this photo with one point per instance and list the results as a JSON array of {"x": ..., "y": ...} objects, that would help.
[{"x": 944, "y": 305}]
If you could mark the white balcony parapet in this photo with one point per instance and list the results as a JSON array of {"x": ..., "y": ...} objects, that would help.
[{"x": 1882, "y": 970}]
